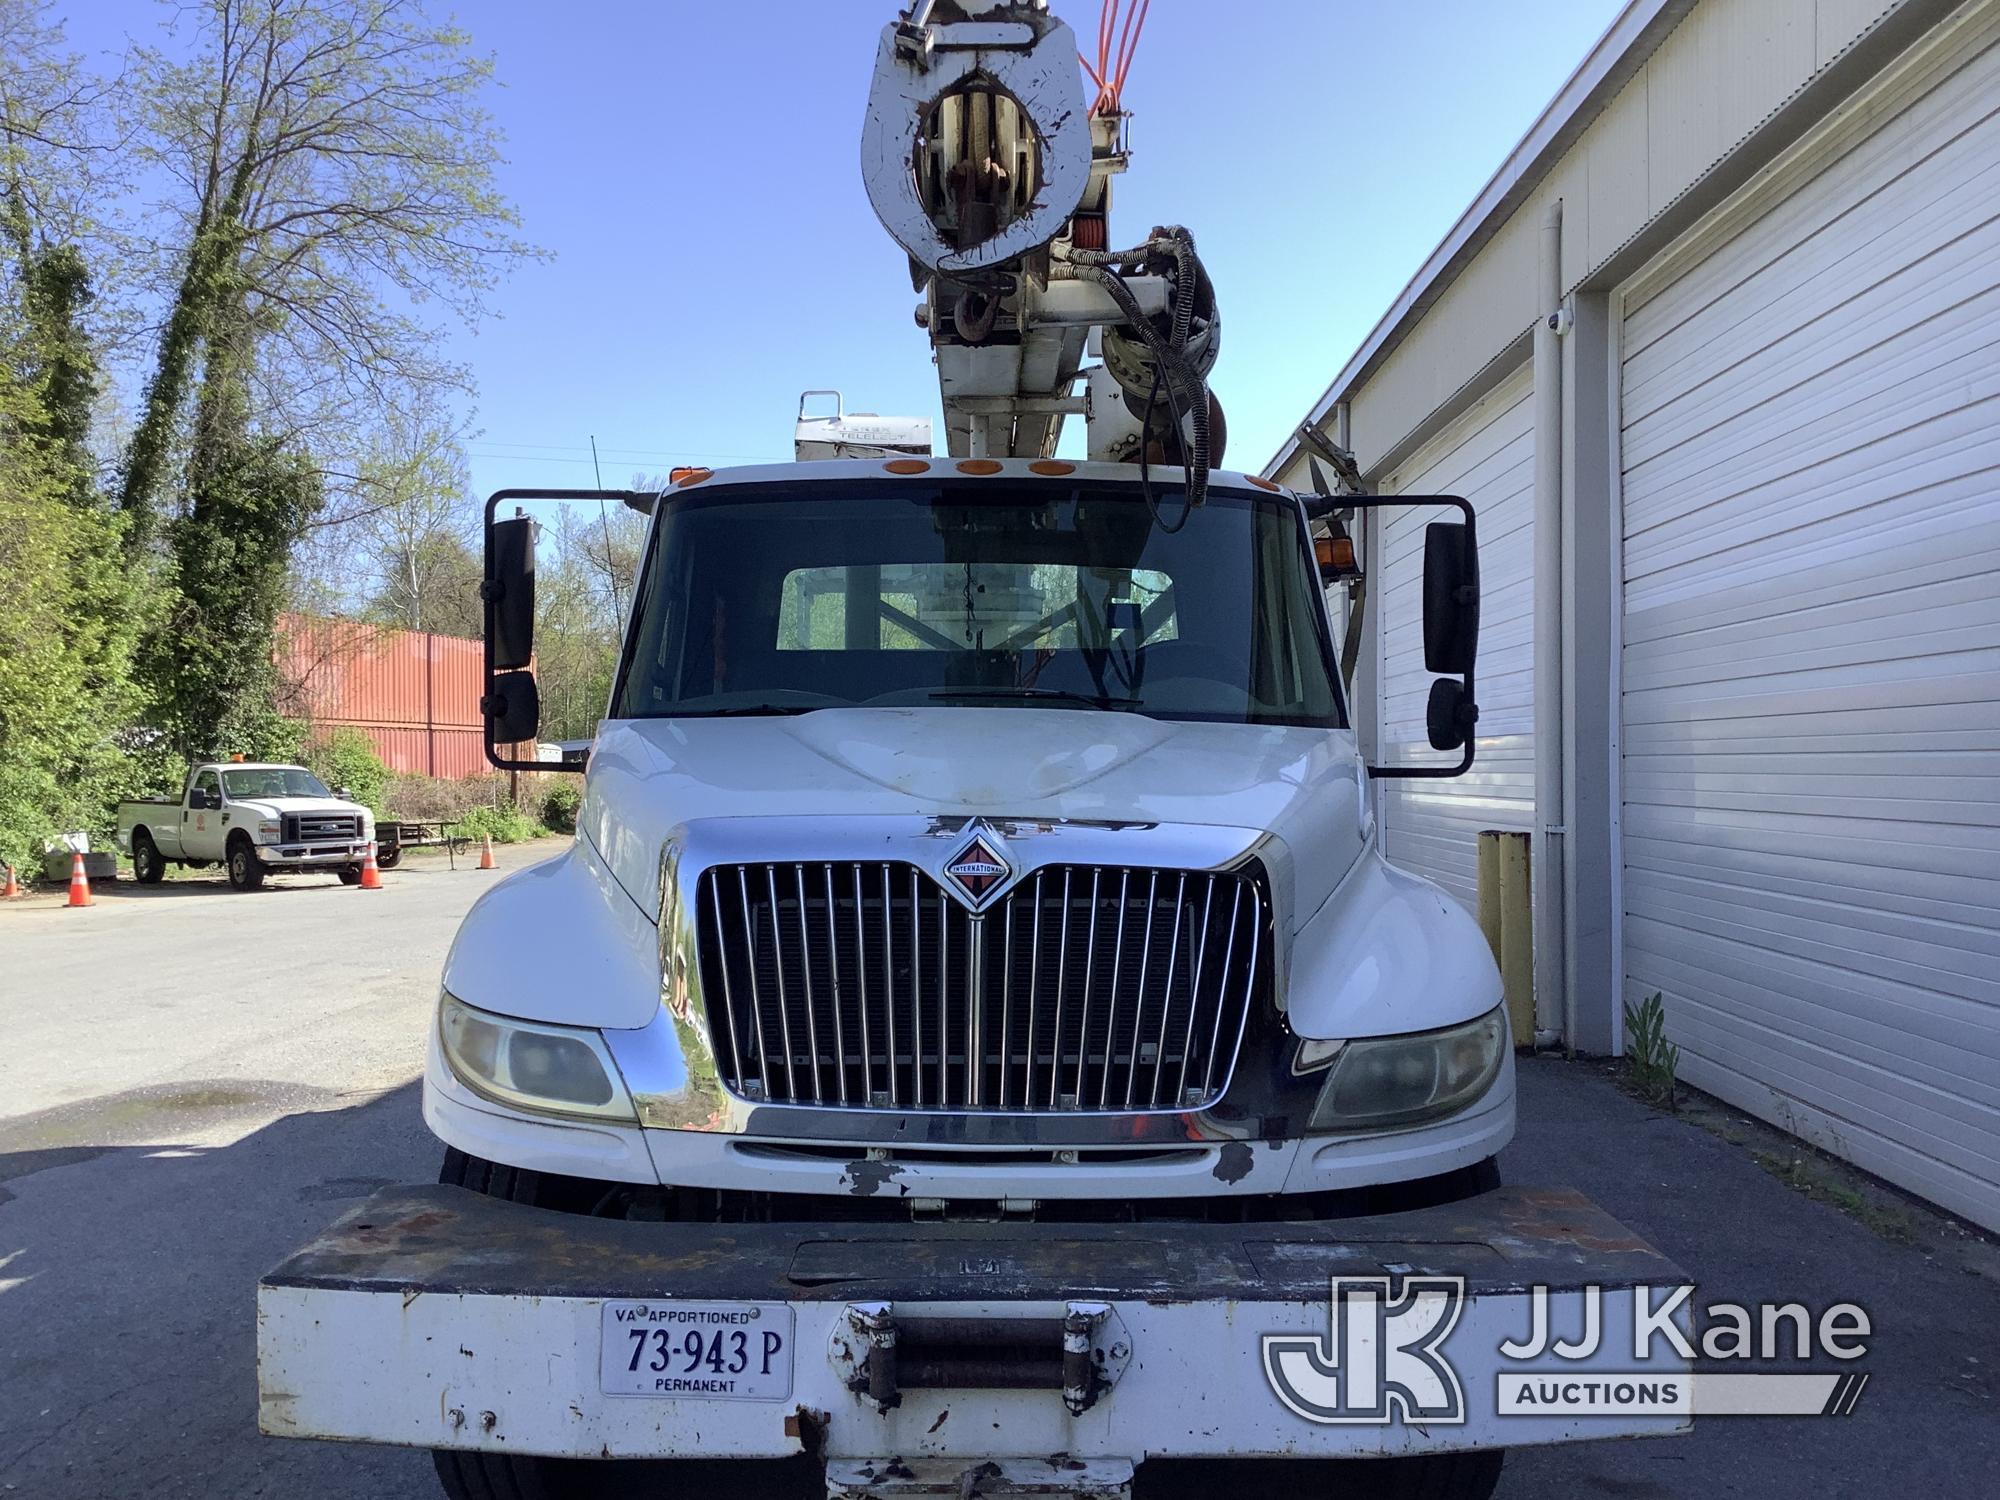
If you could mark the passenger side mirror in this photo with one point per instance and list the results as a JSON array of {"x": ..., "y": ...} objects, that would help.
[
  {"x": 509, "y": 592},
  {"x": 511, "y": 704},
  {"x": 513, "y": 708}
]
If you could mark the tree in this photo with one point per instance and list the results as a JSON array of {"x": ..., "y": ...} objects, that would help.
[
  {"x": 209, "y": 666},
  {"x": 336, "y": 167},
  {"x": 421, "y": 538},
  {"x": 69, "y": 611},
  {"x": 585, "y": 568},
  {"x": 336, "y": 171},
  {"x": 51, "y": 166}
]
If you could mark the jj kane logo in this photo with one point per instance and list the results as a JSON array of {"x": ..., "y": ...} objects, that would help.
[
  {"x": 1382, "y": 1362},
  {"x": 977, "y": 871},
  {"x": 1588, "y": 1351}
]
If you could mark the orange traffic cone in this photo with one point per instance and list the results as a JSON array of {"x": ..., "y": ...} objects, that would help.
[
  {"x": 13, "y": 887},
  {"x": 371, "y": 876},
  {"x": 486, "y": 859},
  {"x": 79, "y": 883}
]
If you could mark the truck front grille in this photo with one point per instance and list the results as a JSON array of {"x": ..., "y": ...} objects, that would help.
[
  {"x": 1085, "y": 988},
  {"x": 308, "y": 828}
]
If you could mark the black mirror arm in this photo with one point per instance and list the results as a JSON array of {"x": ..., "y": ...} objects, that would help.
[
  {"x": 1420, "y": 773},
  {"x": 1319, "y": 507}
]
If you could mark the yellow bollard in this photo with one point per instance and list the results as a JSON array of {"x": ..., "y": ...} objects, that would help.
[
  {"x": 1506, "y": 916},
  {"x": 1489, "y": 889}
]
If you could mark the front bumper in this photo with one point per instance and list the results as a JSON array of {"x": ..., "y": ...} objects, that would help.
[
  {"x": 479, "y": 1325},
  {"x": 294, "y": 856}
]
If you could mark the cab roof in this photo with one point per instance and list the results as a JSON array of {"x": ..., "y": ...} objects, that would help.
[{"x": 892, "y": 467}]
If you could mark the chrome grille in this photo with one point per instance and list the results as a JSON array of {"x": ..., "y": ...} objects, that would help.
[
  {"x": 307, "y": 827},
  {"x": 1082, "y": 989}
]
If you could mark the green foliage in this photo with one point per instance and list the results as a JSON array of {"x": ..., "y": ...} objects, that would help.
[
  {"x": 69, "y": 609},
  {"x": 65, "y": 642},
  {"x": 1651, "y": 1060},
  {"x": 440, "y": 799},
  {"x": 346, "y": 758},
  {"x": 208, "y": 666},
  {"x": 582, "y": 582},
  {"x": 560, "y": 804},
  {"x": 504, "y": 825},
  {"x": 329, "y": 170}
]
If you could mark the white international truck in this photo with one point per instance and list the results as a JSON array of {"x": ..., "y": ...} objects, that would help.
[
  {"x": 975, "y": 1045},
  {"x": 253, "y": 818}
]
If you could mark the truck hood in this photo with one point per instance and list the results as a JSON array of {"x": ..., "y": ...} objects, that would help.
[
  {"x": 275, "y": 806},
  {"x": 1302, "y": 786}
]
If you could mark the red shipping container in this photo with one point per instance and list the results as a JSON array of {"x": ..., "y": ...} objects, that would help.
[{"x": 414, "y": 694}]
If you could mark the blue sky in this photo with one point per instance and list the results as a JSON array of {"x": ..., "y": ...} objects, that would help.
[{"x": 693, "y": 167}]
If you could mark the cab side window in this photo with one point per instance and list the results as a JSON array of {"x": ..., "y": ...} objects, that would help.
[{"x": 207, "y": 784}]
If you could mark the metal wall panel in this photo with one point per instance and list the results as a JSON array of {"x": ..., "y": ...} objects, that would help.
[
  {"x": 1488, "y": 456},
  {"x": 1811, "y": 661}
]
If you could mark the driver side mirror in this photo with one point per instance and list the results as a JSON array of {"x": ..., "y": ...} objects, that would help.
[
  {"x": 1450, "y": 623},
  {"x": 1451, "y": 631}
]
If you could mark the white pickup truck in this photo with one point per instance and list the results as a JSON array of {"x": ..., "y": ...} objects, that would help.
[{"x": 251, "y": 817}]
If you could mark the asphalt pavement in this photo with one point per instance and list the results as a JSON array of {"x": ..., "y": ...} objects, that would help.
[{"x": 193, "y": 1081}]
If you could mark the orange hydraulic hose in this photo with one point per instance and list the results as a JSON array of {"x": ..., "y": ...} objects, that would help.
[{"x": 1116, "y": 46}]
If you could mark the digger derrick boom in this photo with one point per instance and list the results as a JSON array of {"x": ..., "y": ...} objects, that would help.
[{"x": 988, "y": 165}]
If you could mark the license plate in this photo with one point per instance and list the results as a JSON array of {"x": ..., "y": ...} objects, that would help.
[{"x": 698, "y": 1351}]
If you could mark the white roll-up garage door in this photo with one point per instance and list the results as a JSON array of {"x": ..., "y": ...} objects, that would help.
[
  {"x": 1488, "y": 456},
  {"x": 1811, "y": 657}
]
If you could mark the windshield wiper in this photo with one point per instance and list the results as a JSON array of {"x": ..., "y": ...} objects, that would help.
[
  {"x": 741, "y": 710},
  {"x": 1060, "y": 695}
]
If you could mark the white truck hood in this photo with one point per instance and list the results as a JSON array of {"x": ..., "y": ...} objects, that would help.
[
  {"x": 1389, "y": 953},
  {"x": 649, "y": 777},
  {"x": 275, "y": 806}
]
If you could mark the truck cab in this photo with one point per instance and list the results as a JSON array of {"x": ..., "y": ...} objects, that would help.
[
  {"x": 975, "y": 1019},
  {"x": 251, "y": 817}
]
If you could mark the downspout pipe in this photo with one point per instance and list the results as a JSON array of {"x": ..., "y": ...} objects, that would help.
[{"x": 1551, "y": 1003}]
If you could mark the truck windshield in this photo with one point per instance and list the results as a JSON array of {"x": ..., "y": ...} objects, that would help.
[
  {"x": 786, "y": 599},
  {"x": 273, "y": 781}
]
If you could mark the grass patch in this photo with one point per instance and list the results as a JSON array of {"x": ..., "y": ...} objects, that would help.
[
  {"x": 1825, "y": 1181},
  {"x": 1651, "y": 1061}
]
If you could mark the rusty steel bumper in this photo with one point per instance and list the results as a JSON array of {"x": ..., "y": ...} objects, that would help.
[{"x": 433, "y": 1317}]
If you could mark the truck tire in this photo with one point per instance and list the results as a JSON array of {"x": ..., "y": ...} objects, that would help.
[
  {"x": 149, "y": 866},
  {"x": 1430, "y": 1476},
  {"x": 349, "y": 874},
  {"x": 388, "y": 859},
  {"x": 246, "y": 871}
]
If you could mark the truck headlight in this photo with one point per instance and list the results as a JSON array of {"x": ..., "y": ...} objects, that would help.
[
  {"x": 1387, "y": 1081},
  {"x": 551, "y": 1070},
  {"x": 270, "y": 830}
]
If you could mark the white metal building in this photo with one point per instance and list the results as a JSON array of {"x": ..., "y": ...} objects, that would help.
[{"x": 1716, "y": 354}]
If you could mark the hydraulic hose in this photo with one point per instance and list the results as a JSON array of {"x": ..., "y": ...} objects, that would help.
[{"x": 1181, "y": 378}]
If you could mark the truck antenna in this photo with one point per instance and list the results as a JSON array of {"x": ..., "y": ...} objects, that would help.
[{"x": 604, "y": 515}]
